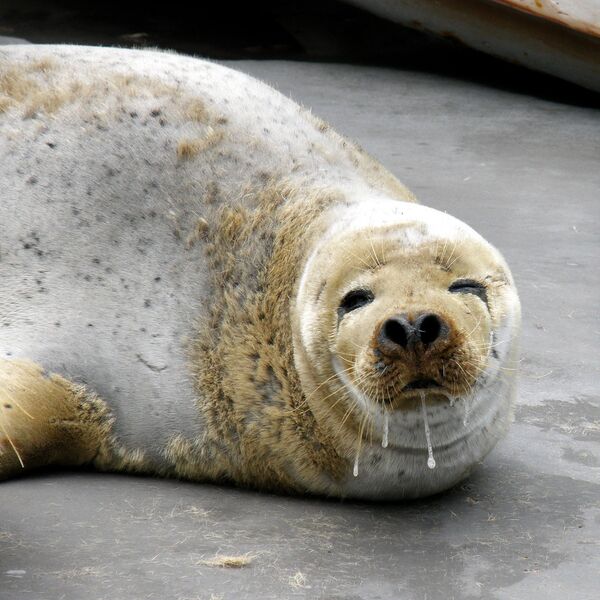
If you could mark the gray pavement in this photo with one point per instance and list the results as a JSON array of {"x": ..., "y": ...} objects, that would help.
[{"x": 523, "y": 171}]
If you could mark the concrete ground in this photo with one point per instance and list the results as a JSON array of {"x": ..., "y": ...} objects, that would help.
[{"x": 525, "y": 172}]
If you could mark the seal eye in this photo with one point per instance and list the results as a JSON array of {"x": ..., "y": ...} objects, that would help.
[
  {"x": 353, "y": 300},
  {"x": 469, "y": 286}
]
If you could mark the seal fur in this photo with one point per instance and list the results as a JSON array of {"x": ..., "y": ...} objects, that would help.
[{"x": 215, "y": 357}]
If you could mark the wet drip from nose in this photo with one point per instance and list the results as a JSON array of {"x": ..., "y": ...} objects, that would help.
[
  {"x": 430, "y": 459},
  {"x": 467, "y": 410},
  {"x": 386, "y": 429}
]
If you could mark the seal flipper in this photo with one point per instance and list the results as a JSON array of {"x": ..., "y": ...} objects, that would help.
[{"x": 48, "y": 420}]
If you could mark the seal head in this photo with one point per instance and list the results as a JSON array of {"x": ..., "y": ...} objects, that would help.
[{"x": 407, "y": 324}]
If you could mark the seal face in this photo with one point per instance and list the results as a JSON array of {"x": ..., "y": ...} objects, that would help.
[
  {"x": 202, "y": 280},
  {"x": 407, "y": 323}
]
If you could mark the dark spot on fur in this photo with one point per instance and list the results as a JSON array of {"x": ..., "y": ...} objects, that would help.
[
  {"x": 157, "y": 279},
  {"x": 155, "y": 113},
  {"x": 9, "y": 406},
  {"x": 147, "y": 303},
  {"x": 271, "y": 387},
  {"x": 96, "y": 261},
  {"x": 57, "y": 324},
  {"x": 51, "y": 145},
  {"x": 32, "y": 180}
]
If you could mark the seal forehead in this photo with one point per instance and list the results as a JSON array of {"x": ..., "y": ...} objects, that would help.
[
  {"x": 424, "y": 222},
  {"x": 399, "y": 228}
]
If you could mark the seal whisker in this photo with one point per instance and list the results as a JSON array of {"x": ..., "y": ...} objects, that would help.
[
  {"x": 345, "y": 355},
  {"x": 373, "y": 253},
  {"x": 456, "y": 258},
  {"x": 367, "y": 265},
  {"x": 343, "y": 396},
  {"x": 15, "y": 401},
  {"x": 442, "y": 261},
  {"x": 308, "y": 396},
  {"x": 466, "y": 375},
  {"x": 345, "y": 417},
  {"x": 488, "y": 345},
  {"x": 12, "y": 445},
  {"x": 468, "y": 335},
  {"x": 355, "y": 344},
  {"x": 321, "y": 399},
  {"x": 450, "y": 262}
]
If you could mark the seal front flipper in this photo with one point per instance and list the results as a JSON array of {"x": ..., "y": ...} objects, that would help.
[{"x": 47, "y": 420}]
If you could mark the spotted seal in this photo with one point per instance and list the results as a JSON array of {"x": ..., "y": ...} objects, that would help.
[{"x": 200, "y": 279}]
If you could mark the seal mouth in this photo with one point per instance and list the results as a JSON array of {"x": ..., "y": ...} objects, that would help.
[{"x": 421, "y": 384}]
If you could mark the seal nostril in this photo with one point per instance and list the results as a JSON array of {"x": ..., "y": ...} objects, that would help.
[
  {"x": 395, "y": 331},
  {"x": 429, "y": 328}
]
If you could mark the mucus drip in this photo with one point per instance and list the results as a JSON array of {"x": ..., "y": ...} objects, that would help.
[
  {"x": 430, "y": 459},
  {"x": 467, "y": 410},
  {"x": 386, "y": 429}
]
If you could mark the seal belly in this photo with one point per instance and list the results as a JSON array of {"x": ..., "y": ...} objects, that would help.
[{"x": 102, "y": 276}]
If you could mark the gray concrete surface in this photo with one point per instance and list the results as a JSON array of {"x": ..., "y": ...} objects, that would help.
[{"x": 523, "y": 171}]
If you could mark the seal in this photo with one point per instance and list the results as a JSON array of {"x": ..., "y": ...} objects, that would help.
[{"x": 199, "y": 279}]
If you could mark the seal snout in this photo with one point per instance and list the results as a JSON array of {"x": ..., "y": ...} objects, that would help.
[{"x": 401, "y": 332}]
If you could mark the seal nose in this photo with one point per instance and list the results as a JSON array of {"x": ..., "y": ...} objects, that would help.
[
  {"x": 403, "y": 332},
  {"x": 429, "y": 328}
]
